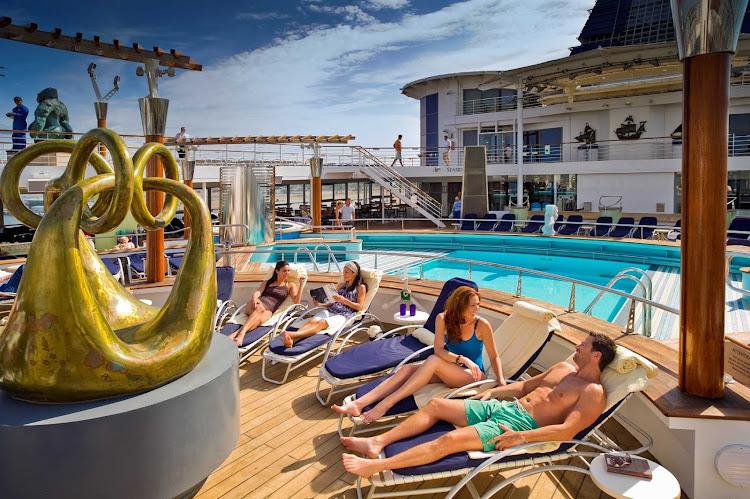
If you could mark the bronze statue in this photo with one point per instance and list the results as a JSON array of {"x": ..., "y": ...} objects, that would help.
[
  {"x": 51, "y": 115},
  {"x": 74, "y": 332}
]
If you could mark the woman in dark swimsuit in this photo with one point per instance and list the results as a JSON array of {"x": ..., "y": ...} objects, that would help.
[
  {"x": 267, "y": 299},
  {"x": 461, "y": 336}
]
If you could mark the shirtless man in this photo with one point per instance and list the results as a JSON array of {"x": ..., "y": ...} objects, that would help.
[
  {"x": 397, "y": 147},
  {"x": 554, "y": 405}
]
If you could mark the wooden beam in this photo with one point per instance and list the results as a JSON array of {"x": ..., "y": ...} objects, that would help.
[{"x": 30, "y": 34}]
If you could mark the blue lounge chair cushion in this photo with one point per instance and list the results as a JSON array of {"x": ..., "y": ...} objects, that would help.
[
  {"x": 468, "y": 224},
  {"x": 448, "y": 288},
  {"x": 112, "y": 264},
  {"x": 224, "y": 283},
  {"x": 403, "y": 406},
  {"x": 534, "y": 224},
  {"x": 602, "y": 227},
  {"x": 137, "y": 262},
  {"x": 741, "y": 224},
  {"x": 301, "y": 346},
  {"x": 375, "y": 357},
  {"x": 11, "y": 286},
  {"x": 623, "y": 227},
  {"x": 251, "y": 336},
  {"x": 506, "y": 223},
  {"x": 492, "y": 219},
  {"x": 645, "y": 232},
  {"x": 572, "y": 225}
]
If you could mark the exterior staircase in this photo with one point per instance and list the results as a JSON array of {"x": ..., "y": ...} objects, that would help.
[{"x": 398, "y": 185}]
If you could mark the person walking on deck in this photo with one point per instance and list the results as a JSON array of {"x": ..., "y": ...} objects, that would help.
[
  {"x": 397, "y": 147},
  {"x": 447, "y": 145}
]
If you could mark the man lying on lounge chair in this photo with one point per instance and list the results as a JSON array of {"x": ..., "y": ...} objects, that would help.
[{"x": 554, "y": 405}]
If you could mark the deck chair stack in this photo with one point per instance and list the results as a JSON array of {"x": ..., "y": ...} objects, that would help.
[
  {"x": 322, "y": 343},
  {"x": 345, "y": 371},
  {"x": 258, "y": 338},
  {"x": 627, "y": 374},
  {"x": 519, "y": 340}
]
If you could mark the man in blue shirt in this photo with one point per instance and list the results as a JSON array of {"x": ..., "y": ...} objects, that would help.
[
  {"x": 457, "y": 208},
  {"x": 19, "y": 114}
]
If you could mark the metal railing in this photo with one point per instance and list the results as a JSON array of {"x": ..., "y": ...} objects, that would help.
[{"x": 423, "y": 258}]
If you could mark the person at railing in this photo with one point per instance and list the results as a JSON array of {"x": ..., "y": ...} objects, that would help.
[
  {"x": 181, "y": 138},
  {"x": 19, "y": 115},
  {"x": 508, "y": 153},
  {"x": 348, "y": 212},
  {"x": 267, "y": 299},
  {"x": 447, "y": 145},
  {"x": 337, "y": 214},
  {"x": 456, "y": 210},
  {"x": 124, "y": 244},
  {"x": 397, "y": 147},
  {"x": 348, "y": 300},
  {"x": 461, "y": 337}
]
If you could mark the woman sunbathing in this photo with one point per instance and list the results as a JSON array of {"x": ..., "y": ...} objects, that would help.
[
  {"x": 349, "y": 300},
  {"x": 461, "y": 336},
  {"x": 267, "y": 299}
]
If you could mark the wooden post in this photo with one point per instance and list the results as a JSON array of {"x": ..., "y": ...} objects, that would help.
[
  {"x": 704, "y": 187},
  {"x": 185, "y": 216},
  {"x": 102, "y": 123},
  {"x": 317, "y": 203},
  {"x": 155, "y": 266}
]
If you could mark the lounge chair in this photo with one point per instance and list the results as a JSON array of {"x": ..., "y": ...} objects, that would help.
[
  {"x": 534, "y": 225},
  {"x": 11, "y": 285},
  {"x": 506, "y": 223},
  {"x": 572, "y": 226},
  {"x": 676, "y": 233},
  {"x": 623, "y": 228},
  {"x": 519, "y": 339},
  {"x": 224, "y": 288},
  {"x": 590, "y": 442},
  {"x": 489, "y": 223},
  {"x": 392, "y": 349},
  {"x": 114, "y": 265},
  {"x": 258, "y": 338},
  {"x": 320, "y": 344},
  {"x": 738, "y": 224},
  {"x": 602, "y": 227},
  {"x": 468, "y": 223},
  {"x": 645, "y": 228}
]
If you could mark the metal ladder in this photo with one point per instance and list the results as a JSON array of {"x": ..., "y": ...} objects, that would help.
[
  {"x": 644, "y": 282},
  {"x": 398, "y": 185}
]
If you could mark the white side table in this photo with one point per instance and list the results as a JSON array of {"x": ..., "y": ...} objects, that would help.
[
  {"x": 662, "y": 484},
  {"x": 418, "y": 318}
]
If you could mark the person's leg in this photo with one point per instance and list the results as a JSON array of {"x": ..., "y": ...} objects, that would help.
[
  {"x": 433, "y": 370},
  {"x": 257, "y": 317},
  {"x": 313, "y": 326},
  {"x": 379, "y": 392},
  {"x": 452, "y": 411}
]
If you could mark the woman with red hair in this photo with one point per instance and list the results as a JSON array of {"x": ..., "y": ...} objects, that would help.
[{"x": 461, "y": 337}]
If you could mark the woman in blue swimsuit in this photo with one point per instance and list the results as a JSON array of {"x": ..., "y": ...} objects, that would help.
[{"x": 461, "y": 336}]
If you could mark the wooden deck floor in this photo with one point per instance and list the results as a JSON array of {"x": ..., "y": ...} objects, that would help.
[{"x": 289, "y": 447}]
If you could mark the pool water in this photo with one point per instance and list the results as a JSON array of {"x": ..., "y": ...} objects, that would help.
[{"x": 541, "y": 288}]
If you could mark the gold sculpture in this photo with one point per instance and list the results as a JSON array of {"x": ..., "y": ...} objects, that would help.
[{"x": 74, "y": 333}]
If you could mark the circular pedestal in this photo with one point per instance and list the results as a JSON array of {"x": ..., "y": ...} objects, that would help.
[
  {"x": 158, "y": 444},
  {"x": 662, "y": 484}
]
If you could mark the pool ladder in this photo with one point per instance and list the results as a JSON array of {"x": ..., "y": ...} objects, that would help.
[
  {"x": 312, "y": 255},
  {"x": 643, "y": 280}
]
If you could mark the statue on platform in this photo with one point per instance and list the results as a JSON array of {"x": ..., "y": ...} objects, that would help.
[
  {"x": 550, "y": 217},
  {"x": 51, "y": 115},
  {"x": 75, "y": 333}
]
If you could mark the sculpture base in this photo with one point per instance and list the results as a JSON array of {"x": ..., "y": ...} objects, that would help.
[{"x": 158, "y": 444}]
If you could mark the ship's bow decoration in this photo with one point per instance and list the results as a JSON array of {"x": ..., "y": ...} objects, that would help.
[
  {"x": 628, "y": 130},
  {"x": 74, "y": 332}
]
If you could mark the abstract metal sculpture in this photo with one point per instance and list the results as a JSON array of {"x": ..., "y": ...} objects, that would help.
[{"x": 74, "y": 332}]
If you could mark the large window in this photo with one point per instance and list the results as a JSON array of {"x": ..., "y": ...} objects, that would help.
[
  {"x": 428, "y": 107},
  {"x": 739, "y": 134},
  {"x": 477, "y": 101}
]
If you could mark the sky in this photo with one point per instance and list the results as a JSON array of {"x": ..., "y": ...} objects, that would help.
[{"x": 283, "y": 67}]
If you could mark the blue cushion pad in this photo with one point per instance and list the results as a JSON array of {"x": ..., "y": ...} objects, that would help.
[
  {"x": 251, "y": 336},
  {"x": 302, "y": 346},
  {"x": 112, "y": 264},
  {"x": 403, "y": 406},
  {"x": 373, "y": 357},
  {"x": 448, "y": 288}
]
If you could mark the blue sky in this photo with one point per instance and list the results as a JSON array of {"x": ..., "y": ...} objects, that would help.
[{"x": 284, "y": 66}]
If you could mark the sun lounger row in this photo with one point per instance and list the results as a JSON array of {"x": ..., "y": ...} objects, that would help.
[{"x": 626, "y": 226}]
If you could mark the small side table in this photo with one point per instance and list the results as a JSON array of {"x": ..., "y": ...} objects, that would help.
[
  {"x": 661, "y": 234},
  {"x": 586, "y": 230},
  {"x": 419, "y": 318},
  {"x": 662, "y": 484}
]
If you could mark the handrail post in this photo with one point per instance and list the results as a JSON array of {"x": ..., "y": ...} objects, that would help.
[
  {"x": 469, "y": 270},
  {"x": 518, "y": 287},
  {"x": 572, "y": 303},
  {"x": 421, "y": 268}
]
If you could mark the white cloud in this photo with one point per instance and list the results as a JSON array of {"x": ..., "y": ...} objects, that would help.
[
  {"x": 385, "y": 4},
  {"x": 349, "y": 12},
  {"x": 259, "y": 16},
  {"x": 346, "y": 78}
]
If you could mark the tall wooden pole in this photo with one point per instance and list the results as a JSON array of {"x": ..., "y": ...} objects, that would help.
[
  {"x": 316, "y": 205},
  {"x": 101, "y": 121},
  {"x": 704, "y": 187},
  {"x": 188, "y": 170}
]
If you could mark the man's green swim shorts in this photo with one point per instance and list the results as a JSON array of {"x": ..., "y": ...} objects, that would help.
[{"x": 485, "y": 415}]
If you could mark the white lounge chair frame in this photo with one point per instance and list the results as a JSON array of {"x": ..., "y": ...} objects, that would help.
[{"x": 592, "y": 449}]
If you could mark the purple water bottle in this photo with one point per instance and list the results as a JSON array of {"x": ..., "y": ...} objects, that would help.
[
  {"x": 403, "y": 309},
  {"x": 412, "y": 310}
]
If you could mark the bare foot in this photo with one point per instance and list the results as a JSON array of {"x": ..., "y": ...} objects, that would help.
[
  {"x": 287, "y": 339},
  {"x": 238, "y": 339},
  {"x": 349, "y": 409},
  {"x": 360, "y": 466},
  {"x": 375, "y": 413},
  {"x": 366, "y": 446}
]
